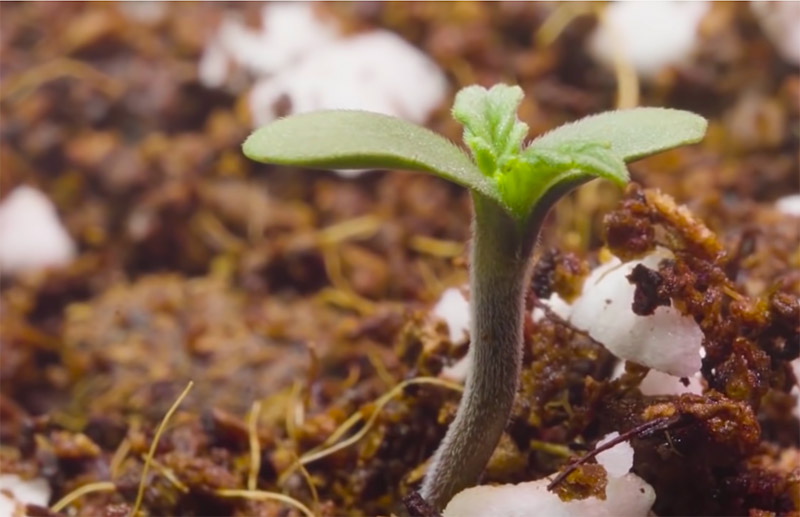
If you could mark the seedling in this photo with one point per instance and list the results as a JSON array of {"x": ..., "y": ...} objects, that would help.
[{"x": 513, "y": 187}]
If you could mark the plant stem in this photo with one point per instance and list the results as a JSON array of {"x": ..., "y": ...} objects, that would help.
[{"x": 499, "y": 273}]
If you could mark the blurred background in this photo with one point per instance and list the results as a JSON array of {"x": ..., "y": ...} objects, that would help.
[{"x": 128, "y": 119}]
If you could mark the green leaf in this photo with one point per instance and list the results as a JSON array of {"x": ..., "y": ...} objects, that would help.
[
  {"x": 363, "y": 140},
  {"x": 537, "y": 170},
  {"x": 491, "y": 128},
  {"x": 631, "y": 134},
  {"x": 590, "y": 158}
]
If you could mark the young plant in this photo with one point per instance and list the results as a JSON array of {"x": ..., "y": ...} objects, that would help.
[{"x": 513, "y": 187}]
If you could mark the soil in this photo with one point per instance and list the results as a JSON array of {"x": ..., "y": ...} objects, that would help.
[{"x": 296, "y": 301}]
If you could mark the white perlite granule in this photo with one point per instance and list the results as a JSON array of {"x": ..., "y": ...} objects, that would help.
[
  {"x": 301, "y": 64},
  {"x": 32, "y": 237},
  {"x": 22, "y": 491},
  {"x": 666, "y": 340},
  {"x": 652, "y": 35}
]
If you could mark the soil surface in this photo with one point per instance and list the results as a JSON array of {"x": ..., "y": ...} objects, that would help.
[{"x": 298, "y": 302}]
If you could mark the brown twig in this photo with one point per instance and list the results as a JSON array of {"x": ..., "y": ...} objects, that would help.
[{"x": 644, "y": 429}]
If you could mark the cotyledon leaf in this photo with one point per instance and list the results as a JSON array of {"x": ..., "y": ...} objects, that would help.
[
  {"x": 345, "y": 139},
  {"x": 633, "y": 133}
]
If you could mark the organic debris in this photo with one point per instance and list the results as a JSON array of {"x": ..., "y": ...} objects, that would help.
[{"x": 309, "y": 295}]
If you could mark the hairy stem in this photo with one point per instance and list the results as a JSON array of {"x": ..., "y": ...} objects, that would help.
[{"x": 499, "y": 272}]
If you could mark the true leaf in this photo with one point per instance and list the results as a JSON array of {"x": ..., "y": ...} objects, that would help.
[
  {"x": 492, "y": 130},
  {"x": 524, "y": 180},
  {"x": 590, "y": 158}
]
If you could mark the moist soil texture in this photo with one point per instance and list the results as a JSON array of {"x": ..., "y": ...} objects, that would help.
[{"x": 298, "y": 302}]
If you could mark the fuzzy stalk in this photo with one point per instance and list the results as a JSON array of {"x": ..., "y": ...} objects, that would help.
[{"x": 500, "y": 268}]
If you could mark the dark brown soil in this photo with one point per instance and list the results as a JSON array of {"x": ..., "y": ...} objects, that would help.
[{"x": 307, "y": 294}]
